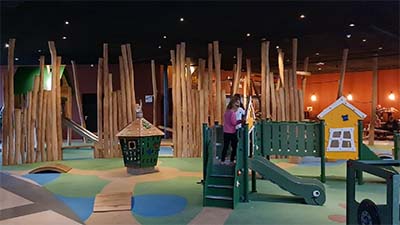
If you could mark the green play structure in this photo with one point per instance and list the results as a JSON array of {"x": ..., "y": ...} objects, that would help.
[
  {"x": 225, "y": 186},
  {"x": 366, "y": 211}
]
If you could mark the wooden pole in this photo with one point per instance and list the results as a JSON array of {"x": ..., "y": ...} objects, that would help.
[
  {"x": 342, "y": 72},
  {"x": 111, "y": 117},
  {"x": 273, "y": 99},
  {"x": 301, "y": 103},
  {"x": 211, "y": 102},
  {"x": 45, "y": 144},
  {"x": 100, "y": 145},
  {"x": 123, "y": 104},
  {"x": 174, "y": 99},
  {"x": 217, "y": 60},
  {"x": 304, "y": 80},
  {"x": 23, "y": 150},
  {"x": 184, "y": 101},
  {"x": 129, "y": 110},
  {"x": 132, "y": 80},
  {"x": 120, "y": 107},
  {"x": 154, "y": 82},
  {"x": 106, "y": 103},
  {"x": 68, "y": 113},
  {"x": 115, "y": 123},
  {"x": 28, "y": 129},
  {"x": 371, "y": 132},
  {"x": 33, "y": 118},
  {"x": 52, "y": 113},
  {"x": 78, "y": 96},
  {"x": 49, "y": 127},
  {"x": 247, "y": 87},
  {"x": 282, "y": 103},
  {"x": 40, "y": 125},
  {"x": 59, "y": 110},
  {"x": 281, "y": 68},
  {"x": 18, "y": 136},
  {"x": 10, "y": 149},
  {"x": 294, "y": 68},
  {"x": 238, "y": 72}
]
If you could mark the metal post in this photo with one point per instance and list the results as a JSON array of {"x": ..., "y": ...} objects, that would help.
[{"x": 322, "y": 149}]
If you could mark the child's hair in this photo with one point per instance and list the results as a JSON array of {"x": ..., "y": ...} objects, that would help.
[{"x": 232, "y": 102}]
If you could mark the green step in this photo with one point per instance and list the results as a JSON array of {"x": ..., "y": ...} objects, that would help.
[
  {"x": 220, "y": 190},
  {"x": 220, "y": 180},
  {"x": 219, "y": 201}
]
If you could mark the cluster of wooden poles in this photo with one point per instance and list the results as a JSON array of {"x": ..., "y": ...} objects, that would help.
[
  {"x": 115, "y": 108},
  {"x": 32, "y": 127},
  {"x": 198, "y": 97}
]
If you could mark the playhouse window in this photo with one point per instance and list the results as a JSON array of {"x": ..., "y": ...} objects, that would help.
[{"x": 341, "y": 139}]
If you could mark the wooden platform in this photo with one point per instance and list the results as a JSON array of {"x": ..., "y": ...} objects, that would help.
[
  {"x": 119, "y": 201},
  {"x": 55, "y": 167}
]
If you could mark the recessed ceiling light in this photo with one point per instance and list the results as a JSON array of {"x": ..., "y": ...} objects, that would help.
[
  {"x": 348, "y": 35},
  {"x": 39, "y": 50},
  {"x": 317, "y": 53},
  {"x": 159, "y": 46},
  {"x": 352, "y": 25},
  {"x": 16, "y": 59},
  {"x": 302, "y": 16},
  {"x": 248, "y": 35},
  {"x": 64, "y": 37},
  {"x": 320, "y": 63},
  {"x": 66, "y": 22},
  {"x": 91, "y": 65},
  {"x": 234, "y": 56},
  {"x": 6, "y": 45},
  {"x": 165, "y": 37},
  {"x": 380, "y": 48},
  {"x": 182, "y": 19},
  {"x": 263, "y": 39},
  {"x": 277, "y": 46},
  {"x": 319, "y": 68},
  {"x": 364, "y": 40}
]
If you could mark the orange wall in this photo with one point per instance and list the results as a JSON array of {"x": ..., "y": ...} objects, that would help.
[{"x": 359, "y": 84}]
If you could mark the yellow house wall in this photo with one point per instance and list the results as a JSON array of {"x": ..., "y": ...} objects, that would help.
[{"x": 334, "y": 120}]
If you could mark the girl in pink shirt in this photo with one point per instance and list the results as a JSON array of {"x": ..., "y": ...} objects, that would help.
[{"x": 230, "y": 122}]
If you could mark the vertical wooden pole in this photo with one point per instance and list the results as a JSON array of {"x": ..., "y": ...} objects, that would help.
[
  {"x": 129, "y": 110},
  {"x": 78, "y": 96},
  {"x": 281, "y": 68},
  {"x": 49, "y": 127},
  {"x": 33, "y": 121},
  {"x": 23, "y": 149},
  {"x": 217, "y": 60},
  {"x": 120, "y": 107},
  {"x": 179, "y": 101},
  {"x": 291, "y": 96},
  {"x": 190, "y": 105},
  {"x": 100, "y": 145},
  {"x": 273, "y": 99},
  {"x": 294, "y": 68},
  {"x": 111, "y": 116},
  {"x": 45, "y": 144},
  {"x": 41, "y": 110},
  {"x": 132, "y": 80},
  {"x": 342, "y": 72},
  {"x": 68, "y": 114},
  {"x": 52, "y": 113},
  {"x": 371, "y": 132},
  {"x": 5, "y": 120},
  {"x": 211, "y": 105},
  {"x": 301, "y": 104},
  {"x": 18, "y": 136},
  {"x": 28, "y": 128},
  {"x": 10, "y": 149},
  {"x": 184, "y": 101},
  {"x": 174, "y": 99},
  {"x": 115, "y": 123},
  {"x": 59, "y": 110},
  {"x": 304, "y": 80},
  {"x": 106, "y": 103},
  {"x": 123, "y": 104},
  {"x": 247, "y": 87},
  {"x": 154, "y": 82},
  {"x": 282, "y": 103},
  {"x": 238, "y": 72}
]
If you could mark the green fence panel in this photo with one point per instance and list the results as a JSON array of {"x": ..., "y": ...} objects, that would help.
[
  {"x": 275, "y": 136},
  {"x": 301, "y": 140},
  {"x": 284, "y": 136}
]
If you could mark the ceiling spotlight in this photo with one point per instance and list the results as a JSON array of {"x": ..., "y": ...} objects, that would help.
[
  {"x": 6, "y": 45},
  {"x": 248, "y": 35},
  {"x": 16, "y": 59},
  {"x": 348, "y": 35},
  {"x": 319, "y": 68},
  {"x": 320, "y": 64},
  {"x": 313, "y": 97},
  {"x": 182, "y": 19},
  {"x": 350, "y": 97},
  {"x": 380, "y": 48},
  {"x": 91, "y": 65},
  {"x": 64, "y": 37},
  {"x": 277, "y": 46},
  {"x": 392, "y": 96},
  {"x": 302, "y": 16},
  {"x": 364, "y": 40},
  {"x": 66, "y": 22},
  {"x": 317, "y": 53},
  {"x": 39, "y": 50},
  {"x": 352, "y": 25},
  {"x": 159, "y": 46},
  {"x": 165, "y": 37},
  {"x": 234, "y": 56}
]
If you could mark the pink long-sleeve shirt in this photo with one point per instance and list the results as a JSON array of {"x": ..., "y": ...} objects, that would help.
[{"x": 230, "y": 122}]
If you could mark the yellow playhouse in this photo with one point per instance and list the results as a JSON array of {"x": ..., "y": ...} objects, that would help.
[{"x": 341, "y": 129}]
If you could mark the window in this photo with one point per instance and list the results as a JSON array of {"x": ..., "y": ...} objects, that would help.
[{"x": 341, "y": 139}]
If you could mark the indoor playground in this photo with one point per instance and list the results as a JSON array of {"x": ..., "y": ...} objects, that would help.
[{"x": 300, "y": 126}]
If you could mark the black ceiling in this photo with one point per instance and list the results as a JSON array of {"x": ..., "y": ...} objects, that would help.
[{"x": 144, "y": 24}]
